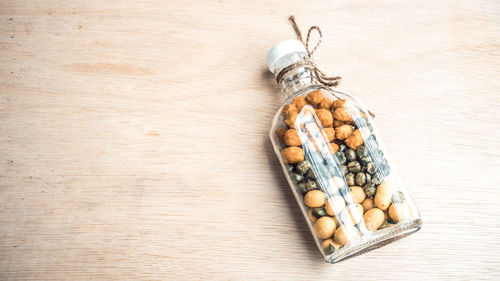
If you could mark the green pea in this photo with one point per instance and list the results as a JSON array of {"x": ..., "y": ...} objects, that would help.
[
  {"x": 384, "y": 170},
  {"x": 398, "y": 197},
  {"x": 365, "y": 160},
  {"x": 330, "y": 250},
  {"x": 302, "y": 187},
  {"x": 360, "y": 122},
  {"x": 369, "y": 189},
  {"x": 360, "y": 179},
  {"x": 303, "y": 167},
  {"x": 353, "y": 166},
  {"x": 377, "y": 179},
  {"x": 368, "y": 177},
  {"x": 297, "y": 177},
  {"x": 318, "y": 212},
  {"x": 350, "y": 155},
  {"x": 350, "y": 179},
  {"x": 342, "y": 147},
  {"x": 384, "y": 225},
  {"x": 289, "y": 168},
  {"x": 343, "y": 168},
  {"x": 362, "y": 151},
  {"x": 340, "y": 157},
  {"x": 311, "y": 174},
  {"x": 311, "y": 185},
  {"x": 370, "y": 168}
]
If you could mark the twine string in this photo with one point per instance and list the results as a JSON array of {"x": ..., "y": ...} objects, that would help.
[{"x": 329, "y": 81}]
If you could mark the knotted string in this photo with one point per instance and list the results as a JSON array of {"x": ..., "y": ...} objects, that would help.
[{"x": 322, "y": 77}]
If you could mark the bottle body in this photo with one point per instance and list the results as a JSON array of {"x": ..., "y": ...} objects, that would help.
[{"x": 339, "y": 170}]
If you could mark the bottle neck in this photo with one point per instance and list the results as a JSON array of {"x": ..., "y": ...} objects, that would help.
[
  {"x": 297, "y": 79},
  {"x": 294, "y": 73}
]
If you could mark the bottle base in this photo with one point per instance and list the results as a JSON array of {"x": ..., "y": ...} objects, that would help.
[{"x": 375, "y": 240}]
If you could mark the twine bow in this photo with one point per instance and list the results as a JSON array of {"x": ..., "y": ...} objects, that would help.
[{"x": 322, "y": 77}]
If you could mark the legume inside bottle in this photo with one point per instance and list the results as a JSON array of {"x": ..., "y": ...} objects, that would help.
[{"x": 335, "y": 162}]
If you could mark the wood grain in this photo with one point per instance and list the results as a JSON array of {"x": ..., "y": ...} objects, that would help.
[{"x": 133, "y": 137}]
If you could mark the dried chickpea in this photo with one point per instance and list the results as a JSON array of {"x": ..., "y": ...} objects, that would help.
[
  {"x": 342, "y": 114},
  {"x": 383, "y": 196},
  {"x": 343, "y": 132},
  {"x": 337, "y": 123},
  {"x": 334, "y": 205},
  {"x": 289, "y": 109},
  {"x": 310, "y": 215},
  {"x": 367, "y": 204},
  {"x": 293, "y": 154},
  {"x": 355, "y": 140},
  {"x": 330, "y": 133},
  {"x": 324, "y": 227},
  {"x": 373, "y": 218},
  {"x": 357, "y": 193},
  {"x": 280, "y": 133},
  {"x": 338, "y": 103},
  {"x": 290, "y": 120},
  {"x": 315, "y": 198},
  {"x": 334, "y": 148},
  {"x": 326, "y": 103},
  {"x": 314, "y": 98},
  {"x": 399, "y": 212},
  {"x": 292, "y": 138},
  {"x": 341, "y": 235},
  {"x": 299, "y": 102},
  {"x": 325, "y": 117}
]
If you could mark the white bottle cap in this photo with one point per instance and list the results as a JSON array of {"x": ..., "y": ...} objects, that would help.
[{"x": 282, "y": 49}]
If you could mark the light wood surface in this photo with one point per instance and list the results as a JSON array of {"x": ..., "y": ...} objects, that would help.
[{"x": 134, "y": 137}]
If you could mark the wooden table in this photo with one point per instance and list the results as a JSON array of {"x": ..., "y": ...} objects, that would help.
[{"x": 134, "y": 137}]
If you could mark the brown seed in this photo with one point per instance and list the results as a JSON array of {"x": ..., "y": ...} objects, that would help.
[
  {"x": 293, "y": 154},
  {"x": 357, "y": 193},
  {"x": 314, "y": 98},
  {"x": 343, "y": 132},
  {"x": 356, "y": 212},
  {"x": 399, "y": 212},
  {"x": 324, "y": 227},
  {"x": 373, "y": 218},
  {"x": 367, "y": 204},
  {"x": 383, "y": 196},
  {"x": 299, "y": 102},
  {"x": 334, "y": 205},
  {"x": 343, "y": 236},
  {"x": 291, "y": 138},
  {"x": 315, "y": 198}
]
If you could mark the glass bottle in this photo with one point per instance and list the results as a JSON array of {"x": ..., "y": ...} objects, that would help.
[{"x": 335, "y": 162}]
